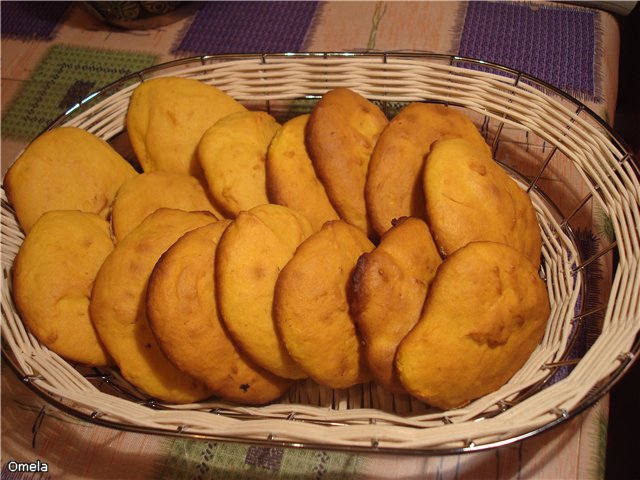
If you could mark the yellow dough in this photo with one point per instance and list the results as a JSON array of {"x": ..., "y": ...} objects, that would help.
[
  {"x": 485, "y": 313},
  {"x": 394, "y": 180},
  {"x": 341, "y": 134},
  {"x": 183, "y": 315},
  {"x": 66, "y": 168},
  {"x": 52, "y": 278},
  {"x": 145, "y": 193},
  {"x": 311, "y": 306},
  {"x": 250, "y": 255},
  {"x": 166, "y": 118},
  {"x": 470, "y": 198},
  {"x": 118, "y": 308},
  {"x": 291, "y": 179},
  {"x": 233, "y": 154},
  {"x": 390, "y": 284}
]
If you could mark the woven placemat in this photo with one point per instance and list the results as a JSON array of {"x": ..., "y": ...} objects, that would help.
[
  {"x": 555, "y": 44},
  {"x": 66, "y": 75},
  {"x": 192, "y": 459},
  {"x": 31, "y": 20},
  {"x": 248, "y": 26}
]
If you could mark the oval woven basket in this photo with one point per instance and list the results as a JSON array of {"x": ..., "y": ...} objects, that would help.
[{"x": 580, "y": 176}]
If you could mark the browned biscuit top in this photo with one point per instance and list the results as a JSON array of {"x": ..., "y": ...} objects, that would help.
[
  {"x": 341, "y": 134},
  {"x": 390, "y": 284}
]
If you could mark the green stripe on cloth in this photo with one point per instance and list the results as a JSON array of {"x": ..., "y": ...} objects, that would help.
[
  {"x": 206, "y": 460},
  {"x": 66, "y": 75}
]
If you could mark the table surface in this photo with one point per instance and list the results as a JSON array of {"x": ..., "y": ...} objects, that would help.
[{"x": 54, "y": 53}]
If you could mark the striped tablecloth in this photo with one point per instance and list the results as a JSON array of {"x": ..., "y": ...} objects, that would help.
[{"x": 55, "y": 53}]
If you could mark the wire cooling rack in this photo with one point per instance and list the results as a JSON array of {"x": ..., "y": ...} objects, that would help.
[{"x": 581, "y": 179}]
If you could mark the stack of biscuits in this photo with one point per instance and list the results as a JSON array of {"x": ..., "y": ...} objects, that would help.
[{"x": 338, "y": 246}]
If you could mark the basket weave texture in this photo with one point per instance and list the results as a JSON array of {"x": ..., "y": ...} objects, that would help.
[{"x": 572, "y": 165}]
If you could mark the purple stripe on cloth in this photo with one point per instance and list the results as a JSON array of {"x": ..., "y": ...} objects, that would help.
[
  {"x": 242, "y": 27},
  {"x": 554, "y": 44},
  {"x": 37, "y": 20}
]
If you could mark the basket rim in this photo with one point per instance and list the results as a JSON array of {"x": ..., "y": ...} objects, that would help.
[{"x": 317, "y": 55}]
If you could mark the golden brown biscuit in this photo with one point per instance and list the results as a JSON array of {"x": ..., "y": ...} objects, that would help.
[
  {"x": 65, "y": 168},
  {"x": 118, "y": 308},
  {"x": 394, "y": 179},
  {"x": 470, "y": 198},
  {"x": 182, "y": 313},
  {"x": 167, "y": 117},
  {"x": 390, "y": 284},
  {"x": 233, "y": 154},
  {"x": 291, "y": 179},
  {"x": 250, "y": 255},
  {"x": 311, "y": 305},
  {"x": 485, "y": 313},
  {"x": 52, "y": 278},
  {"x": 341, "y": 134},
  {"x": 145, "y": 193}
]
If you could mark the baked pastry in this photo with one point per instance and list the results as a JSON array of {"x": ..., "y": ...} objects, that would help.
[
  {"x": 311, "y": 306},
  {"x": 485, "y": 313},
  {"x": 145, "y": 193},
  {"x": 118, "y": 308},
  {"x": 66, "y": 168},
  {"x": 291, "y": 179},
  {"x": 341, "y": 134},
  {"x": 469, "y": 197},
  {"x": 390, "y": 284},
  {"x": 182, "y": 313},
  {"x": 53, "y": 273},
  {"x": 166, "y": 118},
  {"x": 233, "y": 153},
  {"x": 394, "y": 179},
  {"x": 250, "y": 255}
]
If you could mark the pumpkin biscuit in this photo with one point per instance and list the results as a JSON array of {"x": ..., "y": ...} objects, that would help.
[
  {"x": 250, "y": 255},
  {"x": 485, "y": 313},
  {"x": 233, "y": 153},
  {"x": 52, "y": 278},
  {"x": 291, "y": 179},
  {"x": 390, "y": 284},
  {"x": 145, "y": 193},
  {"x": 66, "y": 168},
  {"x": 166, "y": 118},
  {"x": 182, "y": 313},
  {"x": 311, "y": 305},
  {"x": 341, "y": 134},
  {"x": 118, "y": 308},
  {"x": 394, "y": 180},
  {"x": 469, "y": 197}
]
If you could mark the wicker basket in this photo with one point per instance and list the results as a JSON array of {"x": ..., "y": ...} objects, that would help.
[{"x": 577, "y": 173}]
